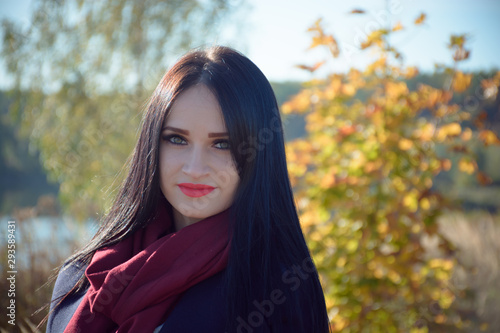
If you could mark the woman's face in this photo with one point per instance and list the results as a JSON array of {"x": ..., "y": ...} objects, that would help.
[{"x": 197, "y": 172}]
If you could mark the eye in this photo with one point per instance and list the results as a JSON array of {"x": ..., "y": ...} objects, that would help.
[
  {"x": 175, "y": 139},
  {"x": 221, "y": 144}
]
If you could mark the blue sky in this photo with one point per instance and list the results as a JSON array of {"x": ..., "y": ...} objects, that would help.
[
  {"x": 273, "y": 33},
  {"x": 277, "y": 42}
]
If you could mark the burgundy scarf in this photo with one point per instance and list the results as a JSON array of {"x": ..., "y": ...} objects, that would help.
[{"x": 135, "y": 283}]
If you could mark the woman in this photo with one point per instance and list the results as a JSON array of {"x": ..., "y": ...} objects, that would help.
[{"x": 203, "y": 235}]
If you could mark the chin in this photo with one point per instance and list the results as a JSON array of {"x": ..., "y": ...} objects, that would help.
[
  {"x": 200, "y": 215},
  {"x": 194, "y": 213}
]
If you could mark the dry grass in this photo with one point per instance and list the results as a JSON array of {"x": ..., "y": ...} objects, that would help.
[
  {"x": 477, "y": 278},
  {"x": 40, "y": 248}
]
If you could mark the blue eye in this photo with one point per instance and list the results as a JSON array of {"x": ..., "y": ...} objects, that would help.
[
  {"x": 175, "y": 139},
  {"x": 223, "y": 144}
]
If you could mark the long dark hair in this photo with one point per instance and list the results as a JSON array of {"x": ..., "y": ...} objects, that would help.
[{"x": 269, "y": 264}]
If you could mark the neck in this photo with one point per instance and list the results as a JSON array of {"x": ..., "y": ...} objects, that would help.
[{"x": 181, "y": 221}]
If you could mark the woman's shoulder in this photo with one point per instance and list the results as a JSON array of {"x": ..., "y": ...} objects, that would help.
[
  {"x": 200, "y": 309},
  {"x": 60, "y": 314},
  {"x": 68, "y": 276}
]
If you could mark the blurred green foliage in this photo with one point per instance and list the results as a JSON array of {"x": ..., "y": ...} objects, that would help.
[
  {"x": 22, "y": 179},
  {"x": 82, "y": 72}
]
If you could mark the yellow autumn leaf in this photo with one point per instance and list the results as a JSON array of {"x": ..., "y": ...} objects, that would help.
[
  {"x": 312, "y": 68},
  {"x": 432, "y": 98},
  {"x": 397, "y": 27},
  {"x": 396, "y": 89},
  {"x": 449, "y": 130},
  {"x": 411, "y": 72},
  {"x": 316, "y": 41},
  {"x": 398, "y": 184},
  {"x": 315, "y": 121},
  {"x": 447, "y": 298},
  {"x": 356, "y": 78},
  {"x": 466, "y": 134},
  {"x": 425, "y": 133},
  {"x": 351, "y": 245},
  {"x": 461, "y": 81},
  {"x": 410, "y": 201},
  {"x": 308, "y": 218},
  {"x": 316, "y": 25},
  {"x": 322, "y": 40},
  {"x": 341, "y": 262},
  {"x": 383, "y": 227},
  {"x": 327, "y": 181},
  {"x": 405, "y": 144},
  {"x": 446, "y": 164},
  {"x": 333, "y": 89},
  {"x": 339, "y": 323},
  {"x": 299, "y": 103},
  {"x": 440, "y": 319},
  {"x": 489, "y": 138},
  {"x": 394, "y": 276},
  {"x": 348, "y": 89},
  {"x": 425, "y": 204},
  {"x": 467, "y": 165},
  {"x": 445, "y": 264},
  {"x": 420, "y": 19},
  {"x": 497, "y": 77},
  {"x": 457, "y": 41},
  {"x": 374, "y": 38},
  {"x": 378, "y": 64},
  {"x": 357, "y": 11}
]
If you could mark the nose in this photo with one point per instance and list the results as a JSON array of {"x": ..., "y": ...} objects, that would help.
[{"x": 195, "y": 165}]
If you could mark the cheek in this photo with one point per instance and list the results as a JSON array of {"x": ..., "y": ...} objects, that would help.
[
  {"x": 166, "y": 166},
  {"x": 169, "y": 159},
  {"x": 235, "y": 177}
]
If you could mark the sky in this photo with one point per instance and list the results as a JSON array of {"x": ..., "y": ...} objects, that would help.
[
  {"x": 278, "y": 42},
  {"x": 273, "y": 33}
]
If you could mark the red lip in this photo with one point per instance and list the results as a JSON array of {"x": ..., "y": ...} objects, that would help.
[{"x": 195, "y": 190}]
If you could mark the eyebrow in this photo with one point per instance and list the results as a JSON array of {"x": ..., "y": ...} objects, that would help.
[{"x": 185, "y": 132}]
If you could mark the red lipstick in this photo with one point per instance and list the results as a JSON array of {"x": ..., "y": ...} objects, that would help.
[{"x": 195, "y": 190}]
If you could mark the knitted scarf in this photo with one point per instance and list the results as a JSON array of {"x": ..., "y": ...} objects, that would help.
[{"x": 135, "y": 283}]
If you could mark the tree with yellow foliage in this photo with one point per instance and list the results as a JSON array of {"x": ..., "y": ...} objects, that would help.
[{"x": 363, "y": 179}]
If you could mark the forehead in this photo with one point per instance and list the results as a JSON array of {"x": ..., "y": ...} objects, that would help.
[{"x": 196, "y": 107}]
